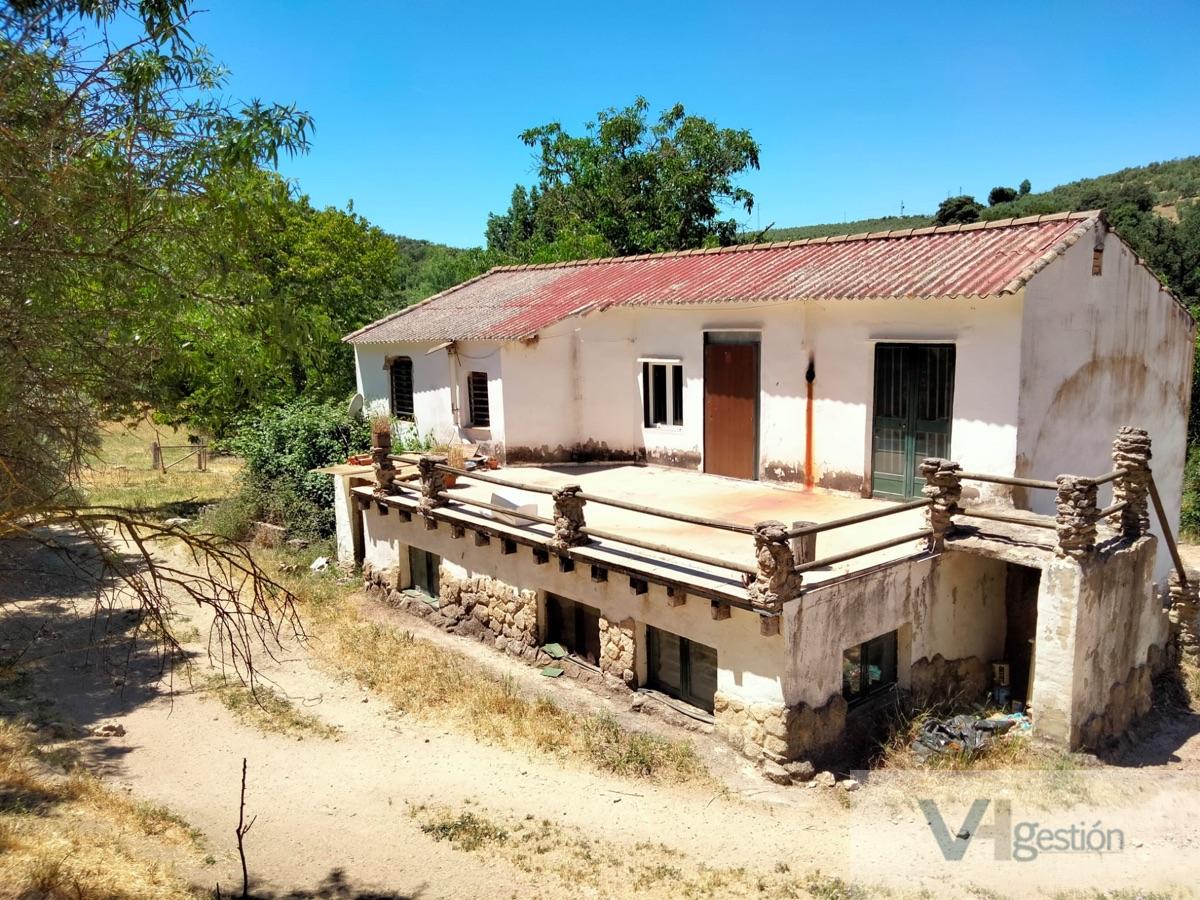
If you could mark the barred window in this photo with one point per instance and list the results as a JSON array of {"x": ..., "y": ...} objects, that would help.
[
  {"x": 477, "y": 396},
  {"x": 402, "y": 388}
]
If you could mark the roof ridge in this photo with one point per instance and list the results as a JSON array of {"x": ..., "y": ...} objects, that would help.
[{"x": 801, "y": 242}]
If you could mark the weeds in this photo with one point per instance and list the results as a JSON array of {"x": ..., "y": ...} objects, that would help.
[
  {"x": 466, "y": 831},
  {"x": 265, "y": 708}
]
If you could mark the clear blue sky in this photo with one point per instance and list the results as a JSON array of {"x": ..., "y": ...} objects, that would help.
[{"x": 857, "y": 106}]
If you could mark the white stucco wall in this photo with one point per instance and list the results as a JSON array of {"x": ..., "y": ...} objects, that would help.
[
  {"x": 440, "y": 399},
  {"x": 1099, "y": 352},
  {"x": 749, "y": 665},
  {"x": 581, "y": 381}
]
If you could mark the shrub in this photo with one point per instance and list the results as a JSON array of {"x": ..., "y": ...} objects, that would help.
[
  {"x": 281, "y": 446},
  {"x": 1189, "y": 514}
]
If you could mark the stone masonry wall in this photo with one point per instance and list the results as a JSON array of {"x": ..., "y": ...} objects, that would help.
[
  {"x": 766, "y": 732},
  {"x": 478, "y": 606},
  {"x": 935, "y": 679},
  {"x": 616, "y": 653},
  {"x": 1128, "y": 701}
]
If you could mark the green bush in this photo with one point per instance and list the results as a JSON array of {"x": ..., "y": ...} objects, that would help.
[
  {"x": 1189, "y": 515},
  {"x": 281, "y": 446}
]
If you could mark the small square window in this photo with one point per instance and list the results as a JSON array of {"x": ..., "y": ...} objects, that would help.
[
  {"x": 869, "y": 668},
  {"x": 662, "y": 394}
]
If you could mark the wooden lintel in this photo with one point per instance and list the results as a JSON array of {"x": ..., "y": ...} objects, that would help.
[
  {"x": 430, "y": 523},
  {"x": 404, "y": 514},
  {"x": 482, "y": 539},
  {"x": 541, "y": 556},
  {"x": 566, "y": 564},
  {"x": 639, "y": 586},
  {"x": 768, "y": 626},
  {"x": 721, "y": 610},
  {"x": 507, "y": 547},
  {"x": 599, "y": 573},
  {"x": 381, "y": 507},
  {"x": 676, "y": 596},
  {"x": 457, "y": 531}
]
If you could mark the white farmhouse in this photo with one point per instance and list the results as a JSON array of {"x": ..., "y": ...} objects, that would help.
[{"x": 715, "y": 442}]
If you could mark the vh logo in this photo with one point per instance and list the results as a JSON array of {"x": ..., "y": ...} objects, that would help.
[{"x": 954, "y": 846}]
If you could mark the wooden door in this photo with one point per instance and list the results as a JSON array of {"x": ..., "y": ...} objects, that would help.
[
  {"x": 914, "y": 395},
  {"x": 731, "y": 409}
]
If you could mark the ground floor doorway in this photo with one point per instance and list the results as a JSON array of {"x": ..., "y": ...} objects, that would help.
[{"x": 1020, "y": 607}]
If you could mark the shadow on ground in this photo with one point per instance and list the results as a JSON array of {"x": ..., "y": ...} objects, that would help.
[{"x": 337, "y": 885}]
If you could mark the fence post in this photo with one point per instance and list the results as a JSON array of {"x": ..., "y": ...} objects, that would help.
[
  {"x": 1076, "y": 515},
  {"x": 433, "y": 482},
  {"x": 776, "y": 580},
  {"x": 804, "y": 547},
  {"x": 568, "y": 518},
  {"x": 943, "y": 486},
  {"x": 1131, "y": 453},
  {"x": 155, "y": 455},
  {"x": 1185, "y": 613}
]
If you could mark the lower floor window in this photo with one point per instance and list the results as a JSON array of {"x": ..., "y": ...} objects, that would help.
[
  {"x": 869, "y": 667},
  {"x": 575, "y": 626},
  {"x": 682, "y": 668},
  {"x": 424, "y": 570}
]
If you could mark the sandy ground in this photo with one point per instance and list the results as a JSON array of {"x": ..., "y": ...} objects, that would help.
[{"x": 336, "y": 812}]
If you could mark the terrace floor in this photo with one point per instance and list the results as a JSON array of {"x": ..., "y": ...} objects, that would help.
[{"x": 693, "y": 493}]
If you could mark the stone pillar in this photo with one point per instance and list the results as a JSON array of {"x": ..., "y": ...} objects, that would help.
[
  {"x": 385, "y": 472},
  {"x": 433, "y": 482},
  {"x": 1185, "y": 613},
  {"x": 568, "y": 518},
  {"x": 776, "y": 582},
  {"x": 1131, "y": 452},
  {"x": 616, "y": 652},
  {"x": 944, "y": 487},
  {"x": 1076, "y": 514}
]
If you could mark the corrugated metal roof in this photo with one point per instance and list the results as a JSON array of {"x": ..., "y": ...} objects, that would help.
[{"x": 515, "y": 302}]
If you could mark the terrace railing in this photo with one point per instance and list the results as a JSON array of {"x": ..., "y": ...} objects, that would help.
[{"x": 783, "y": 555}]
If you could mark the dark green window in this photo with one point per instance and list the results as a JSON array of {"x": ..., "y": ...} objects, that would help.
[
  {"x": 402, "y": 388},
  {"x": 682, "y": 668},
  {"x": 869, "y": 668},
  {"x": 424, "y": 570}
]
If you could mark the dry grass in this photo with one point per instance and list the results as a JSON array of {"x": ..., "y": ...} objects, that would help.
[
  {"x": 120, "y": 474},
  {"x": 432, "y": 683},
  {"x": 64, "y": 835},
  {"x": 265, "y": 708},
  {"x": 566, "y": 861}
]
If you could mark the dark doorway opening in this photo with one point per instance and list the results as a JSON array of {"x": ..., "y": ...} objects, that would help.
[
  {"x": 731, "y": 404},
  {"x": 914, "y": 397},
  {"x": 576, "y": 626},
  {"x": 1020, "y": 608}
]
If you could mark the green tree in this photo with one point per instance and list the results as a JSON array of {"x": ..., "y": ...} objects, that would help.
[
  {"x": 627, "y": 186},
  {"x": 303, "y": 278},
  {"x": 1024, "y": 187},
  {"x": 1002, "y": 195},
  {"x": 964, "y": 209},
  {"x": 108, "y": 134}
]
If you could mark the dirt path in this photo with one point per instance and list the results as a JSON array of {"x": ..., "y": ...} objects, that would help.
[{"x": 337, "y": 812}]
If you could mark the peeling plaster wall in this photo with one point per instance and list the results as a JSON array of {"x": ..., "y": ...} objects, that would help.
[
  {"x": 434, "y": 395},
  {"x": 749, "y": 665},
  {"x": 952, "y": 606},
  {"x": 1097, "y": 623},
  {"x": 1098, "y": 352}
]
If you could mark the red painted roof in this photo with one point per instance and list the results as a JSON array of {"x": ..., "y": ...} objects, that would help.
[{"x": 513, "y": 302}]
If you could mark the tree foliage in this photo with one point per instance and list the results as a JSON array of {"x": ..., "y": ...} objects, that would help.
[
  {"x": 1001, "y": 194},
  {"x": 300, "y": 279},
  {"x": 962, "y": 209},
  {"x": 106, "y": 147},
  {"x": 627, "y": 185}
]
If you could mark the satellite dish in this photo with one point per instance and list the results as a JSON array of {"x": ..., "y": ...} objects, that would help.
[{"x": 356, "y": 406}]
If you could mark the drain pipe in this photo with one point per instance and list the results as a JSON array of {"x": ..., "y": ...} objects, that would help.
[
  {"x": 809, "y": 376},
  {"x": 452, "y": 356}
]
